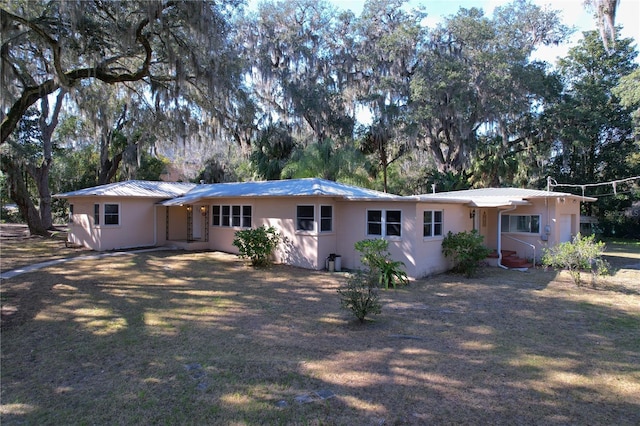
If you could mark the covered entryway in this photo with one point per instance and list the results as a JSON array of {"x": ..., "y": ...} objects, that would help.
[{"x": 186, "y": 226}]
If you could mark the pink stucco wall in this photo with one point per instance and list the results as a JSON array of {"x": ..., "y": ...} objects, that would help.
[
  {"x": 551, "y": 212},
  {"x": 136, "y": 227},
  {"x": 144, "y": 223}
]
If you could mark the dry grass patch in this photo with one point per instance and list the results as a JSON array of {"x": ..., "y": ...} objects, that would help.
[{"x": 201, "y": 338}]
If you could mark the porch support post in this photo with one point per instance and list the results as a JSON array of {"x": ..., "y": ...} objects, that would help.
[{"x": 500, "y": 234}]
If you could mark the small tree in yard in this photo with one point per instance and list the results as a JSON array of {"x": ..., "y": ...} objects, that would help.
[
  {"x": 466, "y": 249},
  {"x": 580, "y": 254},
  {"x": 360, "y": 294},
  {"x": 376, "y": 257},
  {"x": 257, "y": 244}
]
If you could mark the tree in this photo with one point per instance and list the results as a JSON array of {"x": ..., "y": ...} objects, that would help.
[
  {"x": 628, "y": 91},
  {"x": 604, "y": 12},
  {"x": 327, "y": 161},
  {"x": 596, "y": 130},
  {"x": 596, "y": 142},
  {"x": 476, "y": 79},
  {"x": 180, "y": 50},
  {"x": 378, "y": 142},
  {"x": 272, "y": 150},
  {"x": 389, "y": 40},
  {"x": 299, "y": 56},
  {"x": 32, "y": 151},
  {"x": 179, "y": 55}
]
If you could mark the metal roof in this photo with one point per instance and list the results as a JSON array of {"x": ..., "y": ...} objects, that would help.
[
  {"x": 179, "y": 193},
  {"x": 495, "y": 197},
  {"x": 282, "y": 188},
  {"x": 134, "y": 188}
]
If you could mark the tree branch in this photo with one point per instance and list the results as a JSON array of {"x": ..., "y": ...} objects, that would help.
[{"x": 32, "y": 93}]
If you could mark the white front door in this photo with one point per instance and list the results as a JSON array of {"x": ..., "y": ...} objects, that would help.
[{"x": 565, "y": 228}]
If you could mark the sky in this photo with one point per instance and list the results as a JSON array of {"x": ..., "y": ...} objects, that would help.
[{"x": 573, "y": 14}]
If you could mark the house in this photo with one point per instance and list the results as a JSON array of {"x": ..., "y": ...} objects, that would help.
[{"x": 319, "y": 217}]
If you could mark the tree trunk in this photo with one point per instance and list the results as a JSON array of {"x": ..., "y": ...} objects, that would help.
[
  {"x": 108, "y": 169},
  {"x": 40, "y": 176},
  {"x": 20, "y": 194}
]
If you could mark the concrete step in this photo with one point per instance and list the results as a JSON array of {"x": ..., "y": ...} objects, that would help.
[
  {"x": 516, "y": 262},
  {"x": 505, "y": 253}
]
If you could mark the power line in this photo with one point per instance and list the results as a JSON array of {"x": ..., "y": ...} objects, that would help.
[{"x": 552, "y": 183}]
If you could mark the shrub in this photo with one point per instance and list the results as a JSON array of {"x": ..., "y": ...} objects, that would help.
[
  {"x": 375, "y": 256},
  {"x": 466, "y": 249},
  {"x": 580, "y": 254},
  {"x": 360, "y": 294},
  {"x": 257, "y": 244}
]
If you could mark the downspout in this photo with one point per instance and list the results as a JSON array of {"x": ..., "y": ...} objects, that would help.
[{"x": 500, "y": 234}]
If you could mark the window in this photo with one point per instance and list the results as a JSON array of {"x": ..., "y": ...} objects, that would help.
[
  {"x": 432, "y": 223},
  {"x": 384, "y": 223},
  {"x": 304, "y": 218},
  {"x": 96, "y": 214},
  {"x": 112, "y": 214},
  {"x": 235, "y": 215},
  {"x": 374, "y": 222},
  {"x": 70, "y": 213},
  {"x": 246, "y": 216},
  {"x": 521, "y": 223},
  {"x": 326, "y": 218},
  {"x": 228, "y": 216},
  {"x": 215, "y": 213},
  {"x": 394, "y": 222}
]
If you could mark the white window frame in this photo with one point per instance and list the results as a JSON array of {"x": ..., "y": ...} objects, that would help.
[
  {"x": 305, "y": 219},
  {"x": 231, "y": 215},
  {"x": 384, "y": 223},
  {"x": 326, "y": 218},
  {"x": 508, "y": 220},
  {"x": 432, "y": 224},
  {"x": 105, "y": 214}
]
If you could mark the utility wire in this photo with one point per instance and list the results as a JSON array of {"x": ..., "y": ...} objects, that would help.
[{"x": 552, "y": 183}]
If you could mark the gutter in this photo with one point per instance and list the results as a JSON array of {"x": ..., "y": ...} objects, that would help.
[{"x": 500, "y": 234}]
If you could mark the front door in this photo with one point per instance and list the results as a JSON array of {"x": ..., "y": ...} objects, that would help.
[
  {"x": 565, "y": 228},
  {"x": 197, "y": 223}
]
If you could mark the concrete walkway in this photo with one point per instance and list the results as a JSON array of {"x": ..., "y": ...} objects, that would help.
[{"x": 36, "y": 266}]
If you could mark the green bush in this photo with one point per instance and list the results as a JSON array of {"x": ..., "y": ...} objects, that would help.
[
  {"x": 257, "y": 244},
  {"x": 375, "y": 256},
  {"x": 360, "y": 294},
  {"x": 580, "y": 254},
  {"x": 466, "y": 249}
]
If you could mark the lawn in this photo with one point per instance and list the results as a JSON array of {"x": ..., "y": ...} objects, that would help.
[{"x": 202, "y": 338}]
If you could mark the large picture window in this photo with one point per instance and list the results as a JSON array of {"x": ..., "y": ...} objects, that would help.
[
  {"x": 305, "y": 216},
  {"x": 521, "y": 223},
  {"x": 384, "y": 223},
  {"x": 432, "y": 223},
  {"x": 231, "y": 216},
  {"x": 112, "y": 214}
]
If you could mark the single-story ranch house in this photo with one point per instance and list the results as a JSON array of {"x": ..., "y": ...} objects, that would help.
[{"x": 319, "y": 217}]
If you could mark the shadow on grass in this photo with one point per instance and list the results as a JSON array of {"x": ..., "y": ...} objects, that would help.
[{"x": 200, "y": 338}]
